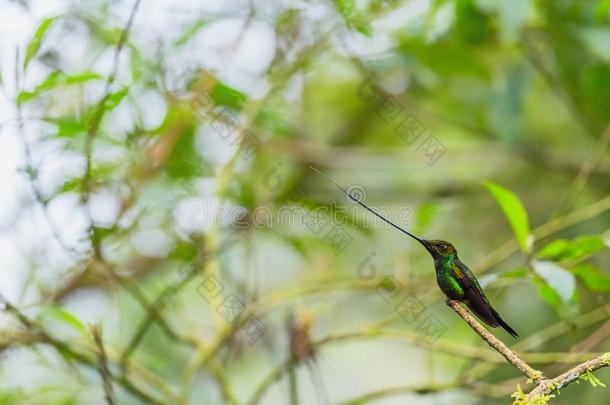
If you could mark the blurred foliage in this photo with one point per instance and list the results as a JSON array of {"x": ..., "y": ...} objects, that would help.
[{"x": 177, "y": 150}]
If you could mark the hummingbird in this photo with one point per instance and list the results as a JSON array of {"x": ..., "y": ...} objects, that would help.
[{"x": 453, "y": 277}]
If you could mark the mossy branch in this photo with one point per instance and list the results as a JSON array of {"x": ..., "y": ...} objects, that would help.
[
  {"x": 549, "y": 386},
  {"x": 544, "y": 387}
]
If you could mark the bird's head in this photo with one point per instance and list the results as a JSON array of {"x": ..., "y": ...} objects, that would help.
[{"x": 439, "y": 248}]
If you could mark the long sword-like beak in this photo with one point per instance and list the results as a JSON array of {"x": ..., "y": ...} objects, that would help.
[{"x": 424, "y": 242}]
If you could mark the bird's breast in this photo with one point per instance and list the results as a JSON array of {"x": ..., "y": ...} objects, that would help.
[{"x": 448, "y": 283}]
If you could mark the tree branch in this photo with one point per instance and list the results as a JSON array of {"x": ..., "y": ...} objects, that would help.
[
  {"x": 544, "y": 386},
  {"x": 495, "y": 343},
  {"x": 548, "y": 386}
]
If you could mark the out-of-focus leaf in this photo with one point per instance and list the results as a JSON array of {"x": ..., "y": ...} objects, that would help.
[
  {"x": 353, "y": 17},
  {"x": 512, "y": 15},
  {"x": 506, "y": 110},
  {"x": 82, "y": 77},
  {"x": 190, "y": 32},
  {"x": 36, "y": 41},
  {"x": 445, "y": 58},
  {"x": 54, "y": 80},
  {"x": 71, "y": 400},
  {"x": 514, "y": 212},
  {"x": 224, "y": 95},
  {"x": 72, "y": 185},
  {"x": 595, "y": 82},
  {"x": 24, "y": 96},
  {"x": 185, "y": 162},
  {"x": 592, "y": 277},
  {"x": 114, "y": 99},
  {"x": 547, "y": 293},
  {"x": 98, "y": 172},
  {"x": 471, "y": 25},
  {"x": 286, "y": 20},
  {"x": 602, "y": 9},
  {"x": 516, "y": 273},
  {"x": 66, "y": 317},
  {"x": 424, "y": 215},
  {"x": 106, "y": 35},
  {"x": 274, "y": 120},
  {"x": 576, "y": 249},
  {"x": 558, "y": 278},
  {"x": 597, "y": 39},
  {"x": 69, "y": 127}
]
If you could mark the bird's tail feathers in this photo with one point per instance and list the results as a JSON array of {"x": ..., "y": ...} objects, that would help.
[
  {"x": 485, "y": 312},
  {"x": 504, "y": 325}
]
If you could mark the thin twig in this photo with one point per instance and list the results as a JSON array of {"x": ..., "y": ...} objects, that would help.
[
  {"x": 99, "y": 110},
  {"x": 158, "y": 304},
  {"x": 369, "y": 397},
  {"x": 32, "y": 171},
  {"x": 103, "y": 365},
  {"x": 66, "y": 350},
  {"x": 587, "y": 168},
  {"x": 163, "y": 299},
  {"x": 274, "y": 376},
  {"x": 495, "y": 343}
]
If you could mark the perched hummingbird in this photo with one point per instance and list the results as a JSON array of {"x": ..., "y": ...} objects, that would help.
[{"x": 453, "y": 277}]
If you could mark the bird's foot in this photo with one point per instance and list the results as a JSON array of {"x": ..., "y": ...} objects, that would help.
[{"x": 449, "y": 301}]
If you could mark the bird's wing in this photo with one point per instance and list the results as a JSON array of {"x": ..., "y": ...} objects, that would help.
[
  {"x": 474, "y": 297},
  {"x": 466, "y": 278}
]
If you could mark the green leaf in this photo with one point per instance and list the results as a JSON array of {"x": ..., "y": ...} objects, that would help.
[
  {"x": 24, "y": 96},
  {"x": 558, "y": 278},
  {"x": 69, "y": 127},
  {"x": 36, "y": 41},
  {"x": 511, "y": 15},
  {"x": 228, "y": 96},
  {"x": 54, "y": 80},
  {"x": 353, "y": 17},
  {"x": 72, "y": 185},
  {"x": 66, "y": 317},
  {"x": 516, "y": 273},
  {"x": 602, "y": 9},
  {"x": 185, "y": 162},
  {"x": 190, "y": 32},
  {"x": 593, "y": 278},
  {"x": 82, "y": 78},
  {"x": 506, "y": 107},
  {"x": 114, "y": 99},
  {"x": 514, "y": 211},
  {"x": 424, "y": 215},
  {"x": 577, "y": 249},
  {"x": 473, "y": 26},
  {"x": 547, "y": 293}
]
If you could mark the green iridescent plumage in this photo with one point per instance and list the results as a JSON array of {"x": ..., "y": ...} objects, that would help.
[
  {"x": 458, "y": 282},
  {"x": 453, "y": 277}
]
